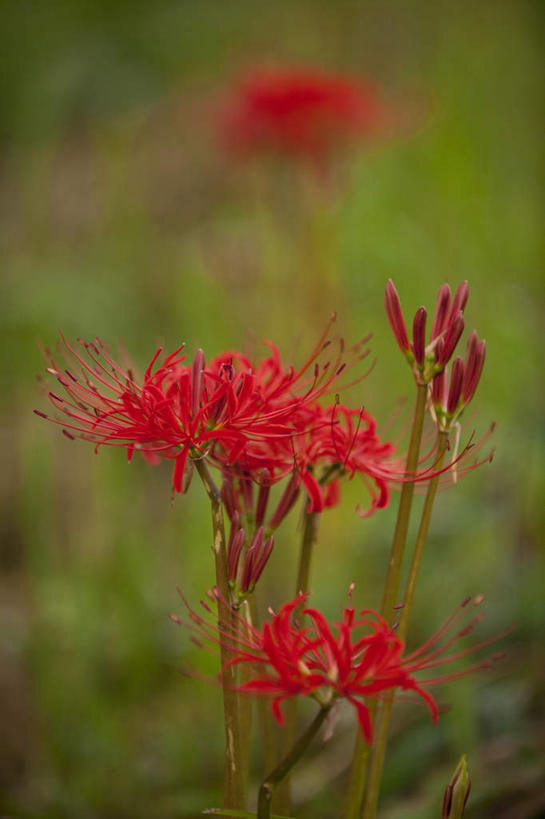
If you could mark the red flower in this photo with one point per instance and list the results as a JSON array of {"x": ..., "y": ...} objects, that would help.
[
  {"x": 180, "y": 411},
  {"x": 357, "y": 659},
  {"x": 298, "y": 112}
]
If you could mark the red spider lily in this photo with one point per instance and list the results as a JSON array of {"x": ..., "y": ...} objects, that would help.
[
  {"x": 427, "y": 360},
  {"x": 180, "y": 411},
  {"x": 329, "y": 445},
  {"x": 359, "y": 658},
  {"x": 298, "y": 113}
]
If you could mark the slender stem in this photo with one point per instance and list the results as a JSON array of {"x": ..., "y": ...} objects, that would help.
[
  {"x": 263, "y": 706},
  {"x": 421, "y": 538},
  {"x": 283, "y": 768},
  {"x": 234, "y": 777},
  {"x": 405, "y": 503},
  {"x": 310, "y": 535},
  {"x": 356, "y": 783},
  {"x": 383, "y": 722}
]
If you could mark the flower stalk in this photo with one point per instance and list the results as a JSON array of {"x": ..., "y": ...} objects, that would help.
[
  {"x": 308, "y": 540},
  {"x": 360, "y": 758},
  {"x": 284, "y": 767},
  {"x": 423, "y": 529},
  {"x": 383, "y": 719},
  {"x": 235, "y": 784}
]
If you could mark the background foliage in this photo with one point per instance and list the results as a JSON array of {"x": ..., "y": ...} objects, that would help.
[{"x": 120, "y": 217}]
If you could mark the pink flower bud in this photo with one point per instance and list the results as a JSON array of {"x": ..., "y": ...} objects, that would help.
[
  {"x": 286, "y": 502},
  {"x": 475, "y": 357},
  {"x": 459, "y": 301},
  {"x": 395, "y": 316},
  {"x": 452, "y": 337},
  {"x": 233, "y": 553},
  {"x": 455, "y": 390},
  {"x": 419, "y": 335},
  {"x": 441, "y": 310},
  {"x": 262, "y": 501},
  {"x": 439, "y": 389}
]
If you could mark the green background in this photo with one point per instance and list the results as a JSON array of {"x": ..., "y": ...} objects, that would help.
[{"x": 121, "y": 217}]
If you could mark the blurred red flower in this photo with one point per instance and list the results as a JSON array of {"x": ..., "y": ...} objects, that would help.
[{"x": 298, "y": 112}]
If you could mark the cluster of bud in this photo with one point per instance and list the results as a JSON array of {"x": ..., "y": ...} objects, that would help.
[
  {"x": 428, "y": 360},
  {"x": 245, "y": 567},
  {"x": 237, "y": 495},
  {"x": 452, "y": 392}
]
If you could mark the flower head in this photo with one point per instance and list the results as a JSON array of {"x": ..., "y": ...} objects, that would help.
[
  {"x": 298, "y": 112},
  {"x": 298, "y": 652},
  {"x": 223, "y": 410}
]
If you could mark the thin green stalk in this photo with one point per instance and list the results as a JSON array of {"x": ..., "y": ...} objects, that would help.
[
  {"x": 383, "y": 722},
  {"x": 310, "y": 535},
  {"x": 356, "y": 783},
  {"x": 263, "y": 706},
  {"x": 235, "y": 785},
  {"x": 442, "y": 447},
  {"x": 283, "y": 768}
]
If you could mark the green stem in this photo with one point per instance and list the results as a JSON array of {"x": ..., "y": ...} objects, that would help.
[
  {"x": 383, "y": 722},
  {"x": 310, "y": 535},
  {"x": 234, "y": 777},
  {"x": 356, "y": 783},
  {"x": 442, "y": 447},
  {"x": 263, "y": 706},
  {"x": 283, "y": 768}
]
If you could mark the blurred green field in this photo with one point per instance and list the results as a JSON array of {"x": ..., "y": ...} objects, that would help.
[{"x": 119, "y": 217}]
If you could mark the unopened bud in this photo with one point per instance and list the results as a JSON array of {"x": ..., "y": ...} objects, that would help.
[
  {"x": 439, "y": 389},
  {"x": 457, "y": 792},
  {"x": 395, "y": 316},
  {"x": 452, "y": 337},
  {"x": 441, "y": 309},
  {"x": 419, "y": 335},
  {"x": 455, "y": 390},
  {"x": 460, "y": 300}
]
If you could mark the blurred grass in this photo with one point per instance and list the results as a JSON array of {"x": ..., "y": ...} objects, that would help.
[{"x": 119, "y": 218}]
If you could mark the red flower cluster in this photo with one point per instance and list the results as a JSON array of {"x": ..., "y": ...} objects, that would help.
[
  {"x": 298, "y": 112},
  {"x": 238, "y": 415},
  {"x": 357, "y": 659},
  {"x": 328, "y": 444}
]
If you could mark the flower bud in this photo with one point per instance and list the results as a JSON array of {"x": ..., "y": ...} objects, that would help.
[
  {"x": 441, "y": 310},
  {"x": 395, "y": 316},
  {"x": 457, "y": 792},
  {"x": 455, "y": 390},
  {"x": 419, "y": 335},
  {"x": 452, "y": 337}
]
